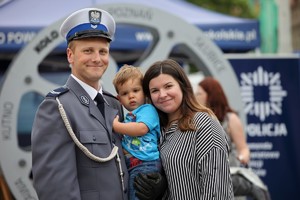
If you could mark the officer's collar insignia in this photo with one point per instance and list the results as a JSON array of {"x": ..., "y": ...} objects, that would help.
[
  {"x": 84, "y": 100},
  {"x": 95, "y": 17}
]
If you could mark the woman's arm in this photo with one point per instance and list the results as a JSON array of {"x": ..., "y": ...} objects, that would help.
[
  {"x": 216, "y": 179},
  {"x": 238, "y": 137},
  {"x": 212, "y": 159}
]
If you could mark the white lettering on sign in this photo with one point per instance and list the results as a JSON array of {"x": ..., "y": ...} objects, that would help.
[
  {"x": 16, "y": 37},
  {"x": 19, "y": 37},
  {"x": 260, "y": 172},
  {"x": 261, "y": 151},
  {"x": 2, "y": 38},
  {"x": 274, "y": 155},
  {"x": 267, "y": 129},
  {"x": 260, "y": 145},
  {"x": 231, "y": 35},
  {"x": 143, "y": 36}
]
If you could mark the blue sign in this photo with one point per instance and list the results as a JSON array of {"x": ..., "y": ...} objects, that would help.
[
  {"x": 134, "y": 38},
  {"x": 270, "y": 90}
]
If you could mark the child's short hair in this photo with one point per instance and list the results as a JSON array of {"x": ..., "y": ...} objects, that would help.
[{"x": 125, "y": 73}]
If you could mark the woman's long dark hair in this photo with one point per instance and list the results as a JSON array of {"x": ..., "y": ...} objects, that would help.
[
  {"x": 189, "y": 105},
  {"x": 216, "y": 98}
]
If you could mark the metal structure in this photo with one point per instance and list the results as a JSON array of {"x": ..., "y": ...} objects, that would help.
[{"x": 168, "y": 31}]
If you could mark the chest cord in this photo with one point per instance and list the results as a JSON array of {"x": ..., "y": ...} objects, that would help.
[{"x": 113, "y": 153}]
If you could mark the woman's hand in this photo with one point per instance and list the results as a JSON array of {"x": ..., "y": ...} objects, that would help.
[{"x": 150, "y": 186}]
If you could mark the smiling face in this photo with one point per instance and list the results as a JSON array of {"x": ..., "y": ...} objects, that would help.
[
  {"x": 89, "y": 59},
  {"x": 166, "y": 95},
  {"x": 131, "y": 94}
]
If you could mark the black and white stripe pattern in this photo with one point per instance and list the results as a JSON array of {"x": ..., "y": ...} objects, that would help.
[{"x": 196, "y": 162}]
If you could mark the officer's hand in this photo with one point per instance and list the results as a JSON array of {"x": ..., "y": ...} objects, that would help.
[{"x": 150, "y": 186}]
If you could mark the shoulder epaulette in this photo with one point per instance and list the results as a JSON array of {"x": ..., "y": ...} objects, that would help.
[
  {"x": 109, "y": 94},
  {"x": 57, "y": 92}
]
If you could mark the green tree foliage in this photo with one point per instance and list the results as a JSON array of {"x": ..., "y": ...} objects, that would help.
[{"x": 238, "y": 8}]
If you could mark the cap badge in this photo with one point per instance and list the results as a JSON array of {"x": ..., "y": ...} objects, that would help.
[{"x": 95, "y": 17}]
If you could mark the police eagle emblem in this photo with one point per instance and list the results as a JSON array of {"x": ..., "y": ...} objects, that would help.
[{"x": 95, "y": 17}]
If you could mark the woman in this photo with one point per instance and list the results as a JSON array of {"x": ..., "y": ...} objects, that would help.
[
  {"x": 193, "y": 148},
  {"x": 210, "y": 93}
]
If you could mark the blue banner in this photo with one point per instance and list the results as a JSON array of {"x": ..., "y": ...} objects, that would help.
[
  {"x": 229, "y": 37},
  {"x": 270, "y": 89}
]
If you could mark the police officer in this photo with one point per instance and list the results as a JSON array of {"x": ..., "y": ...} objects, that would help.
[{"x": 75, "y": 153}]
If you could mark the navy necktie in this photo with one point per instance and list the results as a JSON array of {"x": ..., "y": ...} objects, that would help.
[{"x": 100, "y": 103}]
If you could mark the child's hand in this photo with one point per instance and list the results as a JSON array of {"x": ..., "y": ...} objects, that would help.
[
  {"x": 116, "y": 121},
  {"x": 117, "y": 118}
]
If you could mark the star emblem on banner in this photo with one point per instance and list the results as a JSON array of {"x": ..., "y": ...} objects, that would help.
[{"x": 269, "y": 85}]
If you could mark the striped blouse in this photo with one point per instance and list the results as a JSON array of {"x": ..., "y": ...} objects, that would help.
[{"x": 196, "y": 162}]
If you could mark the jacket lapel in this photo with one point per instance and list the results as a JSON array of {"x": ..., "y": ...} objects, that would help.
[{"x": 85, "y": 100}]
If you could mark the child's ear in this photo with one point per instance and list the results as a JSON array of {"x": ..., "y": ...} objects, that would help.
[{"x": 118, "y": 97}]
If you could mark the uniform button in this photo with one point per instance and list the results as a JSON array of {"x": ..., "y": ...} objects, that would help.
[{"x": 94, "y": 138}]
